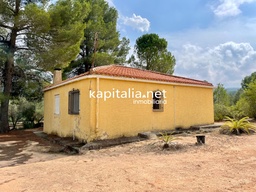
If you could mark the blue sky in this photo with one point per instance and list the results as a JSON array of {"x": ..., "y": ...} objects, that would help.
[{"x": 213, "y": 40}]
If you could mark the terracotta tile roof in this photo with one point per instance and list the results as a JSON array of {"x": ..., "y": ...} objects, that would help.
[
  {"x": 128, "y": 72},
  {"x": 135, "y": 73}
]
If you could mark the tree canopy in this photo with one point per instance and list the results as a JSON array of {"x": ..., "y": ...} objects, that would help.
[
  {"x": 49, "y": 35},
  {"x": 152, "y": 54},
  {"x": 250, "y": 96},
  {"x": 220, "y": 95},
  {"x": 247, "y": 80},
  {"x": 101, "y": 44}
]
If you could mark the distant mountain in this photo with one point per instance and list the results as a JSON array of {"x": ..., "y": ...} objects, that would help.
[{"x": 232, "y": 90}]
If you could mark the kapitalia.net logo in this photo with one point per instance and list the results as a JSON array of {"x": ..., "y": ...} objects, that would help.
[{"x": 146, "y": 97}]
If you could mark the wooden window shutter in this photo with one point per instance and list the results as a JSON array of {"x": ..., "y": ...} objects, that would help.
[
  {"x": 74, "y": 102},
  {"x": 70, "y": 102}
]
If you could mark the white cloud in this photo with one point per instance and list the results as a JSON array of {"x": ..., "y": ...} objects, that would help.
[
  {"x": 137, "y": 22},
  {"x": 211, "y": 53},
  {"x": 111, "y": 3},
  {"x": 235, "y": 29},
  {"x": 227, "y": 63},
  {"x": 229, "y": 7}
]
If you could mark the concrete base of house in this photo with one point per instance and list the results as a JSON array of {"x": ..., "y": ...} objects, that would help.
[
  {"x": 110, "y": 142},
  {"x": 67, "y": 144},
  {"x": 146, "y": 135},
  {"x": 211, "y": 126},
  {"x": 71, "y": 146}
]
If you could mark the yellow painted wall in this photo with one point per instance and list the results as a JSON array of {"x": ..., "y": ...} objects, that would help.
[
  {"x": 193, "y": 106},
  {"x": 64, "y": 124},
  {"x": 186, "y": 106},
  {"x": 115, "y": 117}
]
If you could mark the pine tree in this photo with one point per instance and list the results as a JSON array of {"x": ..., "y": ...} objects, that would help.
[
  {"x": 49, "y": 35},
  {"x": 101, "y": 44},
  {"x": 152, "y": 54}
]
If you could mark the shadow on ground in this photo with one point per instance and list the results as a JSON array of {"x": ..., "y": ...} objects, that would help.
[{"x": 20, "y": 146}]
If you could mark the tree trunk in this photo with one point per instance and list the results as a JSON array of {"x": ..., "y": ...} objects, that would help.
[
  {"x": 8, "y": 72},
  {"x": 86, "y": 61}
]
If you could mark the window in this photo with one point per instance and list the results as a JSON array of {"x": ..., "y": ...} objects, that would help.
[
  {"x": 158, "y": 101},
  {"x": 57, "y": 104},
  {"x": 73, "y": 103}
]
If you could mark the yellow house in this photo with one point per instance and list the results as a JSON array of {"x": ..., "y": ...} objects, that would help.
[{"x": 114, "y": 101}]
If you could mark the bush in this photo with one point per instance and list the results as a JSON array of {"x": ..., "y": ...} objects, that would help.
[
  {"x": 1, "y": 97},
  {"x": 29, "y": 115},
  {"x": 250, "y": 96},
  {"x": 241, "y": 109},
  {"x": 15, "y": 112},
  {"x": 39, "y": 113},
  {"x": 220, "y": 112},
  {"x": 28, "y": 124},
  {"x": 29, "y": 112},
  {"x": 167, "y": 139},
  {"x": 233, "y": 126}
]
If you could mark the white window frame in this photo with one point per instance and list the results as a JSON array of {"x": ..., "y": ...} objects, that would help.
[{"x": 57, "y": 104}]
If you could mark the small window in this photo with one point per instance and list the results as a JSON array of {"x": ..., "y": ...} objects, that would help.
[
  {"x": 158, "y": 101},
  {"x": 57, "y": 104},
  {"x": 74, "y": 102}
]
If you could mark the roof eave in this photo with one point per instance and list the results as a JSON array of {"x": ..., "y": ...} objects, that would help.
[{"x": 91, "y": 76}]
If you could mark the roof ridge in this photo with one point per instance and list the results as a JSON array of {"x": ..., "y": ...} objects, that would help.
[
  {"x": 181, "y": 77},
  {"x": 102, "y": 67},
  {"x": 117, "y": 70},
  {"x": 156, "y": 72}
]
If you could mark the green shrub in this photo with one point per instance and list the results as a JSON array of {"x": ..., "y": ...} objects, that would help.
[
  {"x": 15, "y": 112},
  {"x": 220, "y": 112},
  {"x": 241, "y": 109},
  {"x": 29, "y": 115},
  {"x": 26, "y": 111},
  {"x": 233, "y": 126},
  {"x": 28, "y": 124},
  {"x": 1, "y": 97},
  {"x": 250, "y": 97},
  {"x": 39, "y": 112},
  {"x": 167, "y": 139}
]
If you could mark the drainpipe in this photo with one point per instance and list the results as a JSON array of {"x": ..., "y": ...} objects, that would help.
[
  {"x": 97, "y": 106},
  {"x": 174, "y": 105}
]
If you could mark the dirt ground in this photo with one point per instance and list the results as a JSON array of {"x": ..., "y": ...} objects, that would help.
[{"x": 224, "y": 163}]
